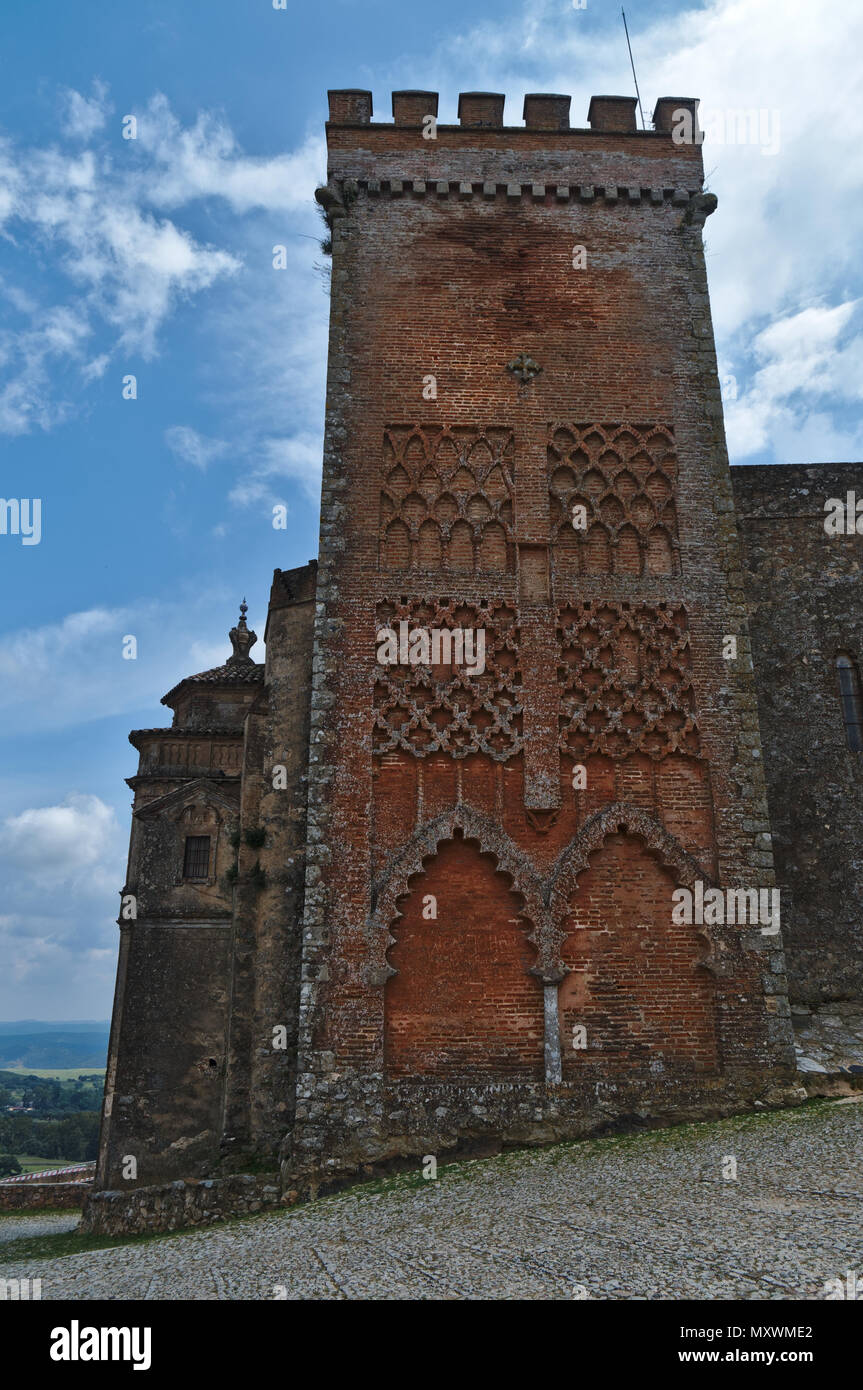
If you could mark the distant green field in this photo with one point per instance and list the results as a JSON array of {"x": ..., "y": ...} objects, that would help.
[
  {"x": 56, "y": 1073},
  {"x": 29, "y": 1164}
]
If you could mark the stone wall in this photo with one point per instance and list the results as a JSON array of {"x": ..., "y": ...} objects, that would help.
[
  {"x": 17, "y": 1197},
  {"x": 260, "y": 1086},
  {"x": 163, "y": 1094},
  {"x": 172, "y": 1205},
  {"x": 803, "y": 590}
]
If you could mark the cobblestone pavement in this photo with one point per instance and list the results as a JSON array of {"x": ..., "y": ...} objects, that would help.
[
  {"x": 645, "y": 1217},
  {"x": 15, "y": 1224}
]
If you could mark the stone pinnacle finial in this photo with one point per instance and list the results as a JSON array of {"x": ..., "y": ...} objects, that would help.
[{"x": 242, "y": 640}]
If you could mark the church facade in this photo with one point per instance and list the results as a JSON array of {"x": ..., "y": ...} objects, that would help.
[{"x": 525, "y": 829}]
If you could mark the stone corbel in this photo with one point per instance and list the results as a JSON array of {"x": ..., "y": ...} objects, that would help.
[
  {"x": 329, "y": 197},
  {"x": 699, "y": 208},
  {"x": 548, "y": 938}
]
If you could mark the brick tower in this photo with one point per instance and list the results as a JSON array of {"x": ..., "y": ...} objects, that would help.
[
  {"x": 524, "y": 439},
  {"x": 410, "y": 887}
]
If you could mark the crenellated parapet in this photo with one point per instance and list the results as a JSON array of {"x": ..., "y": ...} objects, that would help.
[
  {"x": 608, "y": 162},
  {"x": 547, "y": 112}
]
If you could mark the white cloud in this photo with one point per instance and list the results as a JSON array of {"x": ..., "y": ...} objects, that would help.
[
  {"x": 274, "y": 379},
  {"x": 84, "y": 116},
  {"x": 58, "y": 962},
  {"x": 203, "y": 656},
  {"x": 803, "y": 363},
  {"x": 113, "y": 227},
  {"x": 128, "y": 268},
  {"x": 800, "y": 353},
  {"x": 92, "y": 371},
  {"x": 138, "y": 268},
  {"x": 63, "y": 868},
  {"x": 29, "y": 397},
  {"x": 66, "y": 843},
  {"x": 73, "y": 671},
  {"x": 296, "y": 459},
  {"x": 191, "y": 447},
  {"x": 205, "y": 161}
]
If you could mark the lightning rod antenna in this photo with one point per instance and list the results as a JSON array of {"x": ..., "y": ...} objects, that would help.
[{"x": 632, "y": 64}]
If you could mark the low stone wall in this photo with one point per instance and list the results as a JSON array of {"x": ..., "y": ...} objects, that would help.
[
  {"x": 177, "y": 1204},
  {"x": 15, "y": 1196},
  {"x": 75, "y": 1172},
  {"x": 456, "y": 1119}
]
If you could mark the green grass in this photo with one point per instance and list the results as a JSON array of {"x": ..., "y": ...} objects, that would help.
[
  {"x": 31, "y": 1164},
  {"x": 56, "y": 1073},
  {"x": 54, "y": 1247}
]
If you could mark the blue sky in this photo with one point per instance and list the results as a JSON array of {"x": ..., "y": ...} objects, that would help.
[{"x": 153, "y": 257}]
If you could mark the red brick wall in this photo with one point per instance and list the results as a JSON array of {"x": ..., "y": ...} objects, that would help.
[
  {"x": 634, "y": 982},
  {"x": 462, "y": 1004}
]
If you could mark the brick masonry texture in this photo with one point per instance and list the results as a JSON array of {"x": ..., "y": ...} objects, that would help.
[
  {"x": 438, "y": 914},
  {"x": 803, "y": 590}
]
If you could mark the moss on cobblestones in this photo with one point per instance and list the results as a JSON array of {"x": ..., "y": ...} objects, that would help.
[{"x": 53, "y": 1247}]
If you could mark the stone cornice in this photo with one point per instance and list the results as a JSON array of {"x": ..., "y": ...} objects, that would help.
[{"x": 334, "y": 197}]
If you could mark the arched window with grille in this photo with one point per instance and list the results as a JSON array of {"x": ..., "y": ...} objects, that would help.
[{"x": 852, "y": 700}]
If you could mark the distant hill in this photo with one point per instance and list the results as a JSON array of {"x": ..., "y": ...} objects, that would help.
[
  {"x": 50, "y": 1047},
  {"x": 37, "y": 1025}
]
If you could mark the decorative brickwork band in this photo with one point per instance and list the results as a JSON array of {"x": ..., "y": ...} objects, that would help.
[
  {"x": 612, "y": 490},
  {"x": 429, "y": 708},
  {"x": 447, "y": 499},
  {"x": 626, "y": 678}
]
